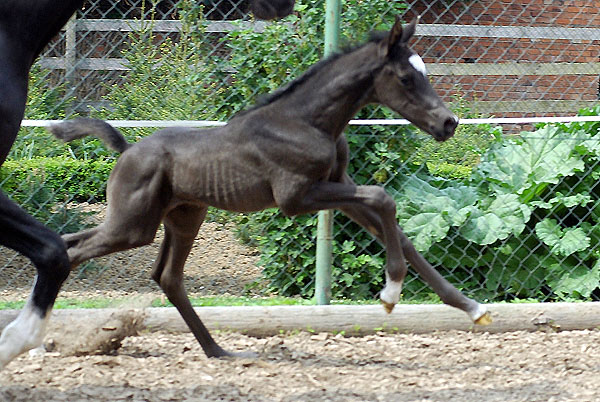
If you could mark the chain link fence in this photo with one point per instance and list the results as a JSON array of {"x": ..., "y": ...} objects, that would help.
[{"x": 502, "y": 216}]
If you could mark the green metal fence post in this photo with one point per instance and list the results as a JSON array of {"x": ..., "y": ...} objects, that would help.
[{"x": 324, "y": 255}]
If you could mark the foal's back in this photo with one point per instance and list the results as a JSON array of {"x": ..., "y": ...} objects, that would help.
[{"x": 213, "y": 167}]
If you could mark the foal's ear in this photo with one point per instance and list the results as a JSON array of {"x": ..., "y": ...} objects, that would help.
[
  {"x": 399, "y": 34},
  {"x": 409, "y": 30}
]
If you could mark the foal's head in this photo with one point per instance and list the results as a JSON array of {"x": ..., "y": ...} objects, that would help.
[{"x": 402, "y": 85}]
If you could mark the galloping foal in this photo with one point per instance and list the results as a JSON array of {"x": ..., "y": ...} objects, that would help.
[
  {"x": 26, "y": 27},
  {"x": 288, "y": 151}
]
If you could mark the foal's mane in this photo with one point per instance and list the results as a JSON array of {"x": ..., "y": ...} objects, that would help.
[{"x": 269, "y": 98}]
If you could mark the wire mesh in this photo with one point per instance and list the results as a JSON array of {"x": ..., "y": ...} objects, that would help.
[{"x": 502, "y": 216}]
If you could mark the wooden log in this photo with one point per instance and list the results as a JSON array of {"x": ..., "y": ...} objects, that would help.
[{"x": 352, "y": 320}]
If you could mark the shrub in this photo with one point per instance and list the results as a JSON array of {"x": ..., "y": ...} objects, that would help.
[
  {"x": 42, "y": 186},
  {"x": 65, "y": 179}
]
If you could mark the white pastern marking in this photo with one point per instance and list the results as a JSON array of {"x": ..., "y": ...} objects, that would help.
[
  {"x": 37, "y": 352},
  {"x": 392, "y": 290},
  {"x": 478, "y": 312},
  {"x": 417, "y": 62},
  {"x": 24, "y": 333}
]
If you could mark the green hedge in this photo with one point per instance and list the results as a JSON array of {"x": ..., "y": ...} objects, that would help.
[{"x": 64, "y": 178}]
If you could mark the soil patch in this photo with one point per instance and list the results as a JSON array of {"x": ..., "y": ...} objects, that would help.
[
  {"x": 446, "y": 366},
  {"x": 217, "y": 265}
]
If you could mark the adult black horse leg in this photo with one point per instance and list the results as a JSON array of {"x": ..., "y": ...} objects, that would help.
[
  {"x": 22, "y": 233},
  {"x": 46, "y": 251}
]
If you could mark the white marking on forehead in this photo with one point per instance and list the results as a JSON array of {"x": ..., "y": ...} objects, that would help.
[{"x": 417, "y": 62}]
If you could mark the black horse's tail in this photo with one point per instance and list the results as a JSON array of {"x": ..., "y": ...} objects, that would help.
[{"x": 70, "y": 130}]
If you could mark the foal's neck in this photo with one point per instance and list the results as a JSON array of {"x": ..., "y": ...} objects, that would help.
[{"x": 331, "y": 98}]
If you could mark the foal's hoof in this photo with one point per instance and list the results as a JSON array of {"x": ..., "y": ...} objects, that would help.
[
  {"x": 239, "y": 355},
  {"x": 485, "y": 319},
  {"x": 387, "y": 306}
]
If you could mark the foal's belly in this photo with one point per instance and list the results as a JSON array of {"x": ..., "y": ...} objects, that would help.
[{"x": 224, "y": 187}]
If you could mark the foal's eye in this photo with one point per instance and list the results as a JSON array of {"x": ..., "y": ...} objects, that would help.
[{"x": 405, "y": 81}]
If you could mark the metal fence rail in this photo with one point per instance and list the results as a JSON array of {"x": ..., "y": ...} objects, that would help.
[{"x": 524, "y": 62}]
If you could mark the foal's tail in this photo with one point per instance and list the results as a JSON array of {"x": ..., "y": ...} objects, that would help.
[{"x": 70, "y": 130}]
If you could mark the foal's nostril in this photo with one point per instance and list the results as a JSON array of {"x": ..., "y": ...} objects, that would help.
[{"x": 450, "y": 125}]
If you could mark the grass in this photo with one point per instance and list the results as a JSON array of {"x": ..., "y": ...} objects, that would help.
[
  {"x": 65, "y": 303},
  {"x": 159, "y": 302},
  {"x": 62, "y": 303}
]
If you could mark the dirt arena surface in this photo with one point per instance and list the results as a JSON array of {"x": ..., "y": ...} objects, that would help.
[
  {"x": 218, "y": 265},
  {"x": 157, "y": 366},
  {"x": 445, "y": 366}
]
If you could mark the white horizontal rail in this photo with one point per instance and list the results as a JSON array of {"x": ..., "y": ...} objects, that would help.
[
  {"x": 365, "y": 122},
  {"x": 433, "y": 69},
  {"x": 491, "y": 120}
]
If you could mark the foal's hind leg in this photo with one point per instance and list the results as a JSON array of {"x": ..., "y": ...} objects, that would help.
[
  {"x": 448, "y": 293},
  {"x": 134, "y": 212},
  {"x": 115, "y": 234},
  {"x": 181, "y": 228}
]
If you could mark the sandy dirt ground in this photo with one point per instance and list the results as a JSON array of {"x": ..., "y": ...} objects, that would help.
[
  {"x": 445, "y": 366},
  {"x": 158, "y": 366},
  {"x": 218, "y": 265}
]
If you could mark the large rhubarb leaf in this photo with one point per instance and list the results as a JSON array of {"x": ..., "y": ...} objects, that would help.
[
  {"x": 496, "y": 220},
  {"x": 426, "y": 212},
  {"x": 529, "y": 161},
  {"x": 561, "y": 241}
]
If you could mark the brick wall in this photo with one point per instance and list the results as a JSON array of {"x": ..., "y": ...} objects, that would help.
[{"x": 529, "y": 53}]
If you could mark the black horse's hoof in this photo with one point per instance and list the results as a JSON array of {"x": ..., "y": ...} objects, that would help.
[
  {"x": 247, "y": 354},
  {"x": 224, "y": 354}
]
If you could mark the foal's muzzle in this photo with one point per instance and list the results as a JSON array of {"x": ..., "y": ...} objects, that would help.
[
  {"x": 450, "y": 125},
  {"x": 444, "y": 127}
]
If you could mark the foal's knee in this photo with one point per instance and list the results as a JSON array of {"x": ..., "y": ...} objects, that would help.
[{"x": 380, "y": 200}]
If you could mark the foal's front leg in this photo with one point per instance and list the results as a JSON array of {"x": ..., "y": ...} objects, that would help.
[
  {"x": 444, "y": 289},
  {"x": 333, "y": 195}
]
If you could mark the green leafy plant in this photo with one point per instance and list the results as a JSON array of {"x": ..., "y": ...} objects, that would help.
[
  {"x": 68, "y": 179},
  {"x": 522, "y": 226},
  {"x": 44, "y": 102},
  {"x": 40, "y": 187},
  {"x": 522, "y": 235}
]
